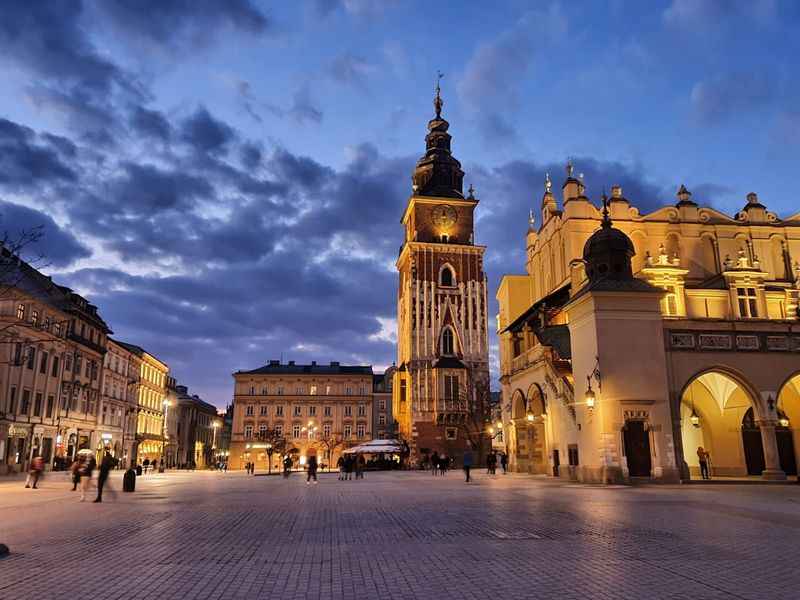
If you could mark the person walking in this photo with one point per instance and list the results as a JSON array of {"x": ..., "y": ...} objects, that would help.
[
  {"x": 504, "y": 463},
  {"x": 467, "y": 463},
  {"x": 434, "y": 463},
  {"x": 703, "y": 457},
  {"x": 37, "y": 466},
  {"x": 312, "y": 469},
  {"x": 444, "y": 462},
  {"x": 340, "y": 466},
  {"x": 287, "y": 466},
  {"x": 154, "y": 465},
  {"x": 106, "y": 465},
  {"x": 75, "y": 470},
  {"x": 348, "y": 467},
  {"x": 146, "y": 465},
  {"x": 361, "y": 465},
  {"x": 88, "y": 465}
]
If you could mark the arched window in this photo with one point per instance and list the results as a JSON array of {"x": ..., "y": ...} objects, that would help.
[
  {"x": 448, "y": 343},
  {"x": 446, "y": 278}
]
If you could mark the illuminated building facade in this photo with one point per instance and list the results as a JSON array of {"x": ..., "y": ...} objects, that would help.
[
  {"x": 635, "y": 339},
  {"x": 313, "y": 409}
]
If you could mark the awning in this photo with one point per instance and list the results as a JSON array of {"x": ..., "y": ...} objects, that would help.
[{"x": 377, "y": 447}]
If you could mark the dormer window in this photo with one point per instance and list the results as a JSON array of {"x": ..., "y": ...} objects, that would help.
[
  {"x": 448, "y": 342},
  {"x": 21, "y": 312},
  {"x": 446, "y": 277},
  {"x": 748, "y": 304},
  {"x": 35, "y": 318}
]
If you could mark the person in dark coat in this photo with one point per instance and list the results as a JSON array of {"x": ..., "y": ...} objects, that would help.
[
  {"x": 504, "y": 463},
  {"x": 467, "y": 463},
  {"x": 87, "y": 467},
  {"x": 361, "y": 465},
  {"x": 106, "y": 465},
  {"x": 312, "y": 469},
  {"x": 435, "y": 463},
  {"x": 287, "y": 466},
  {"x": 348, "y": 467}
]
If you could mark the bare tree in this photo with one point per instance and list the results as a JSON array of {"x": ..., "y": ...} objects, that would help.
[
  {"x": 276, "y": 442},
  {"x": 331, "y": 442}
]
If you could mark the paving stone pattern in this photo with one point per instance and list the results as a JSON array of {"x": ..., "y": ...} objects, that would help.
[{"x": 398, "y": 536}]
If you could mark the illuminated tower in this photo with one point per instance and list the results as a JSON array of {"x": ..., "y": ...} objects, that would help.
[{"x": 441, "y": 385}]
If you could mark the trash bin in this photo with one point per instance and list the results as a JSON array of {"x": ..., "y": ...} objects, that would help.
[{"x": 129, "y": 481}]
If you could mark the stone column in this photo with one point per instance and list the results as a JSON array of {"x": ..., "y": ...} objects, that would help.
[{"x": 771, "y": 458}]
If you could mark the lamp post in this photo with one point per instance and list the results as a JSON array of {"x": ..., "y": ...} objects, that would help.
[
  {"x": 166, "y": 432},
  {"x": 270, "y": 450}
]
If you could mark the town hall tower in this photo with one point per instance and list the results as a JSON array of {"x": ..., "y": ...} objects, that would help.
[{"x": 441, "y": 386}]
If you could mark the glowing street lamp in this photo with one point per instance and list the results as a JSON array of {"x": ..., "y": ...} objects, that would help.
[
  {"x": 783, "y": 422},
  {"x": 590, "y": 397},
  {"x": 694, "y": 419}
]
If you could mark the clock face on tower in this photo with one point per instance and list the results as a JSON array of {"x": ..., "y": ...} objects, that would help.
[{"x": 444, "y": 216}]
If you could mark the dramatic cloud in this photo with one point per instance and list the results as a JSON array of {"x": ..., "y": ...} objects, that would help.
[
  {"x": 702, "y": 14},
  {"x": 30, "y": 160},
  {"x": 495, "y": 71},
  {"x": 724, "y": 96},
  {"x": 351, "y": 70},
  {"x": 168, "y": 23},
  {"x": 55, "y": 248}
]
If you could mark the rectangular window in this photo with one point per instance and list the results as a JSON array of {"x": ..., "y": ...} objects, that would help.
[
  {"x": 348, "y": 391},
  {"x": 50, "y": 403},
  {"x": 262, "y": 431},
  {"x": 37, "y": 405},
  {"x": 248, "y": 411},
  {"x": 31, "y": 358},
  {"x": 382, "y": 405},
  {"x": 381, "y": 419},
  {"x": 54, "y": 372},
  {"x": 43, "y": 363},
  {"x": 298, "y": 411},
  {"x": 402, "y": 390},
  {"x": 451, "y": 387},
  {"x": 748, "y": 306},
  {"x": 327, "y": 411},
  {"x": 361, "y": 430},
  {"x": 572, "y": 455},
  {"x": 298, "y": 390},
  {"x": 252, "y": 390},
  {"x": 248, "y": 431},
  {"x": 326, "y": 430},
  {"x": 68, "y": 363},
  {"x": 264, "y": 390},
  {"x": 362, "y": 410},
  {"x": 263, "y": 410},
  {"x": 25, "y": 405},
  {"x": 279, "y": 430},
  {"x": 313, "y": 390},
  {"x": 279, "y": 411},
  {"x": 12, "y": 400},
  {"x": 363, "y": 391},
  {"x": 296, "y": 431},
  {"x": 348, "y": 411},
  {"x": 327, "y": 390},
  {"x": 669, "y": 303},
  {"x": 312, "y": 411},
  {"x": 280, "y": 390},
  {"x": 348, "y": 431}
]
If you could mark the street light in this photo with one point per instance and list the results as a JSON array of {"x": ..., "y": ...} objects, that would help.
[{"x": 270, "y": 450}]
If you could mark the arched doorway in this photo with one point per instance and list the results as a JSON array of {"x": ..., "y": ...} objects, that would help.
[
  {"x": 535, "y": 415},
  {"x": 519, "y": 443},
  {"x": 714, "y": 415},
  {"x": 788, "y": 418},
  {"x": 637, "y": 448}
]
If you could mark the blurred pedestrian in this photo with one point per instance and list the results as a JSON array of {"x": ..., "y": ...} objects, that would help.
[
  {"x": 106, "y": 465},
  {"x": 348, "y": 467},
  {"x": 360, "y": 465},
  {"x": 703, "y": 457},
  {"x": 312, "y": 469},
  {"x": 504, "y": 462},
  {"x": 88, "y": 464},
  {"x": 146, "y": 465},
  {"x": 287, "y": 466},
  {"x": 75, "y": 470},
  {"x": 435, "y": 463},
  {"x": 444, "y": 463},
  {"x": 467, "y": 463},
  {"x": 37, "y": 466}
]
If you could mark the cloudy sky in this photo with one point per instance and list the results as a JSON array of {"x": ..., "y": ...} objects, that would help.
[{"x": 225, "y": 179}]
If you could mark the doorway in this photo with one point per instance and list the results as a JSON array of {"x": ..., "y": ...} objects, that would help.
[
  {"x": 753, "y": 445},
  {"x": 637, "y": 449}
]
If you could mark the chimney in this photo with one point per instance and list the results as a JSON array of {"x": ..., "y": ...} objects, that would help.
[
  {"x": 313, "y": 363},
  {"x": 291, "y": 363},
  {"x": 274, "y": 363},
  {"x": 334, "y": 364}
]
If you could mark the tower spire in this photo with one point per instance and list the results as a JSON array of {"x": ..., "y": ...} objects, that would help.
[
  {"x": 606, "y": 222},
  {"x": 437, "y": 101}
]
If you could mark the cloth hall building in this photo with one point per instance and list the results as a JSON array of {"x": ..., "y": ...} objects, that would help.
[{"x": 632, "y": 340}]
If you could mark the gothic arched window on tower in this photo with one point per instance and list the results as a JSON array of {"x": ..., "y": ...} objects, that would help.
[
  {"x": 446, "y": 278},
  {"x": 448, "y": 342}
]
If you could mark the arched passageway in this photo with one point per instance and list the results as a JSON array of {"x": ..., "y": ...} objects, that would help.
[
  {"x": 788, "y": 420},
  {"x": 713, "y": 412}
]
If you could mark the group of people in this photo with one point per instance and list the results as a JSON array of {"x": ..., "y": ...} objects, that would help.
[
  {"x": 492, "y": 460},
  {"x": 440, "y": 463},
  {"x": 349, "y": 463},
  {"x": 82, "y": 469}
]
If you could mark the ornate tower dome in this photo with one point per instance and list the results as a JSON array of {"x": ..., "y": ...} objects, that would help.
[
  {"x": 438, "y": 173},
  {"x": 608, "y": 252}
]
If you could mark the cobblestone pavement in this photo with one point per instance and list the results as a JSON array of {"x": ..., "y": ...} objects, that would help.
[{"x": 398, "y": 536}]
